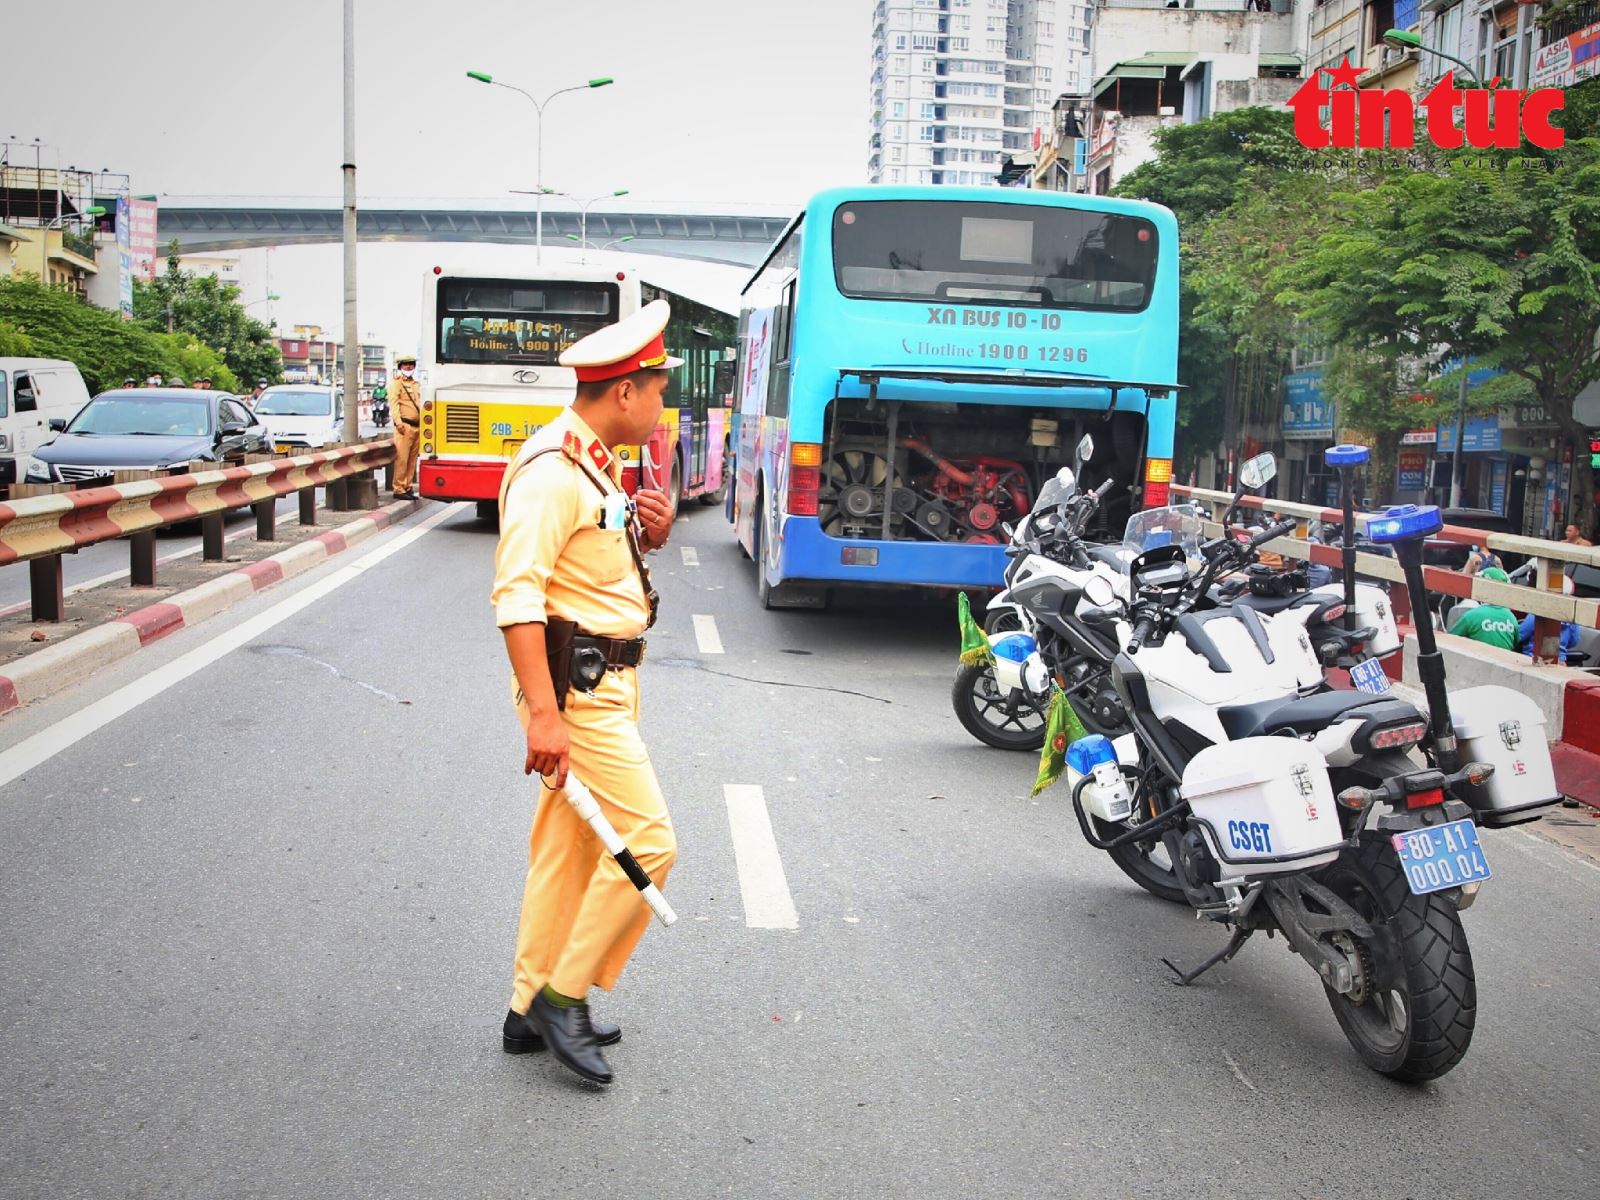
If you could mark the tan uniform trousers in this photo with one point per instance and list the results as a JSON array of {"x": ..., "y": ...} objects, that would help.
[
  {"x": 405, "y": 456},
  {"x": 581, "y": 916}
]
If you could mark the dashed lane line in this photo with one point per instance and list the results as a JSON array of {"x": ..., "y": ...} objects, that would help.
[
  {"x": 706, "y": 635},
  {"x": 691, "y": 556},
  {"x": 47, "y": 743},
  {"x": 767, "y": 902}
]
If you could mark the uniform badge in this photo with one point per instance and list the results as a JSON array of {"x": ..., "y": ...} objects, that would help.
[
  {"x": 598, "y": 455},
  {"x": 572, "y": 446}
]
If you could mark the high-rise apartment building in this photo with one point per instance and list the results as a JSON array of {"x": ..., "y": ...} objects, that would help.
[{"x": 959, "y": 84}]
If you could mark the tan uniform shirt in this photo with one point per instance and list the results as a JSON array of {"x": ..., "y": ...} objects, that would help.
[
  {"x": 553, "y": 555},
  {"x": 404, "y": 400}
]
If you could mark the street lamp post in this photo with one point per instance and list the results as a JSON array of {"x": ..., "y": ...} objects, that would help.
[
  {"x": 1405, "y": 39},
  {"x": 538, "y": 141},
  {"x": 60, "y": 222},
  {"x": 603, "y": 247}
]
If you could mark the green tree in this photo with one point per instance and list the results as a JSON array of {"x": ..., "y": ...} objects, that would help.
[
  {"x": 106, "y": 349},
  {"x": 13, "y": 342},
  {"x": 1485, "y": 257},
  {"x": 1200, "y": 172},
  {"x": 209, "y": 310}
]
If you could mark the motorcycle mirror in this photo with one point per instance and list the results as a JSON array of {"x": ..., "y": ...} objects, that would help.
[
  {"x": 1100, "y": 591},
  {"x": 1085, "y": 448},
  {"x": 1258, "y": 471},
  {"x": 1007, "y": 529}
]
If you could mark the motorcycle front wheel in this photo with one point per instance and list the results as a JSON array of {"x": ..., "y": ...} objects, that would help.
[
  {"x": 1416, "y": 1003},
  {"x": 1006, "y": 721}
]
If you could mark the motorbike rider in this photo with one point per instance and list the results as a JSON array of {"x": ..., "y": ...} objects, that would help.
[{"x": 1491, "y": 624}]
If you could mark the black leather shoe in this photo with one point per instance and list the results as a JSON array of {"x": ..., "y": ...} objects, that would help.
[
  {"x": 521, "y": 1036},
  {"x": 571, "y": 1038}
]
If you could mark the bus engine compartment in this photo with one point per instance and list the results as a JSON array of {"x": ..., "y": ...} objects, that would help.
[{"x": 901, "y": 470}]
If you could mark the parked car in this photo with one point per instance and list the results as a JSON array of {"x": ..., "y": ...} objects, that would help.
[
  {"x": 148, "y": 429},
  {"x": 301, "y": 417},
  {"x": 33, "y": 393},
  {"x": 1454, "y": 555}
]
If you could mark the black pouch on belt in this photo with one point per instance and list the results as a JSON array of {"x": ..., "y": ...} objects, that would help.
[{"x": 558, "y": 635}]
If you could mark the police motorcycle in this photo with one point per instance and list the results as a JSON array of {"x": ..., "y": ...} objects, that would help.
[
  {"x": 1003, "y": 702},
  {"x": 1347, "y": 822},
  {"x": 1351, "y": 624}
]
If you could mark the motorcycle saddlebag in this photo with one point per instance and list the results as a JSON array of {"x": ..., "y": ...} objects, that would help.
[
  {"x": 1500, "y": 726},
  {"x": 1265, "y": 804}
]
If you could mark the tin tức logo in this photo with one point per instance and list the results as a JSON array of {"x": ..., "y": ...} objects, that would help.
[{"x": 1490, "y": 118}]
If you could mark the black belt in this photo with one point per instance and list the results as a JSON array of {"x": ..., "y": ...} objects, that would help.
[
  {"x": 619, "y": 652},
  {"x": 411, "y": 424}
]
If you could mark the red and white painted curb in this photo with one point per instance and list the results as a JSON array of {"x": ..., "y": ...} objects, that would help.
[{"x": 48, "y": 671}]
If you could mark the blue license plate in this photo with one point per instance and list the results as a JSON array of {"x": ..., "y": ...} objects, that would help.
[
  {"x": 1369, "y": 676},
  {"x": 1441, "y": 856}
]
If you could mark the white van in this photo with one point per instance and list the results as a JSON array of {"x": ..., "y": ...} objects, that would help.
[
  {"x": 38, "y": 396},
  {"x": 301, "y": 416}
]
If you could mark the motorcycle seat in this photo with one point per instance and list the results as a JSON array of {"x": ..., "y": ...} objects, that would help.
[
  {"x": 1303, "y": 715},
  {"x": 1273, "y": 604}
]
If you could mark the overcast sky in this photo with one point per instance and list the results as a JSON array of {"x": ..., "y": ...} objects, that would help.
[{"x": 751, "y": 102}]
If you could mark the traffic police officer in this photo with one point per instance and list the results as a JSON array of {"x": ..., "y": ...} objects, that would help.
[
  {"x": 407, "y": 409},
  {"x": 571, "y": 552}
]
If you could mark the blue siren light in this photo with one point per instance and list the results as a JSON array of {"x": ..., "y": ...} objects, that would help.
[
  {"x": 1347, "y": 456},
  {"x": 1016, "y": 647},
  {"x": 1402, "y": 522},
  {"x": 1088, "y": 752}
]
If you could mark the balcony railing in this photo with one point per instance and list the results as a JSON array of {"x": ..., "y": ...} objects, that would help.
[{"x": 79, "y": 242}]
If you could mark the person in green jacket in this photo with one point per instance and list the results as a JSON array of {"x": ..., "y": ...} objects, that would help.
[{"x": 1491, "y": 624}]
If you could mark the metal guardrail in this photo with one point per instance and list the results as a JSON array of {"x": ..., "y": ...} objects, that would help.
[
  {"x": 1545, "y": 601},
  {"x": 38, "y": 530}
]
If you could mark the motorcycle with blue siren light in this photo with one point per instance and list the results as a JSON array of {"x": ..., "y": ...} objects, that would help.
[
  {"x": 1002, "y": 702},
  {"x": 1345, "y": 821}
]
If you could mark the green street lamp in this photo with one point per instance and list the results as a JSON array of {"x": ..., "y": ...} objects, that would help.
[
  {"x": 538, "y": 107},
  {"x": 1405, "y": 39}
]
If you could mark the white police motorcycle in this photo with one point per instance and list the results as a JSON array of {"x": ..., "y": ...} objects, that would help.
[{"x": 1347, "y": 822}]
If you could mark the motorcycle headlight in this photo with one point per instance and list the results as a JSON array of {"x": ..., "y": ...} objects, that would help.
[{"x": 38, "y": 472}]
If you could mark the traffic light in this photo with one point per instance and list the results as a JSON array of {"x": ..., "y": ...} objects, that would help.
[{"x": 1594, "y": 451}]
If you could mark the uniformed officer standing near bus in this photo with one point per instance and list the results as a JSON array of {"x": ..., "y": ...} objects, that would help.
[
  {"x": 407, "y": 409},
  {"x": 570, "y": 583}
]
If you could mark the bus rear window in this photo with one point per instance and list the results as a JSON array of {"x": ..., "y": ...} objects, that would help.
[
  {"x": 966, "y": 252},
  {"x": 516, "y": 321}
]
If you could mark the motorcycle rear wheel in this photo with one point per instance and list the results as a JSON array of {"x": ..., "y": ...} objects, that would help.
[
  {"x": 1006, "y": 723},
  {"x": 1415, "y": 1022}
]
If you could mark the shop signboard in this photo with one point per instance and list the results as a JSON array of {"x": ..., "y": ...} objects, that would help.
[
  {"x": 1306, "y": 414},
  {"x": 1497, "y": 485},
  {"x": 1413, "y": 470},
  {"x": 1481, "y": 435},
  {"x": 1568, "y": 60}
]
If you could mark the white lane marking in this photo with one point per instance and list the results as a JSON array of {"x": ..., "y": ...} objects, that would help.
[
  {"x": 691, "y": 556},
  {"x": 767, "y": 902},
  {"x": 46, "y": 744},
  {"x": 705, "y": 634},
  {"x": 101, "y": 581}
]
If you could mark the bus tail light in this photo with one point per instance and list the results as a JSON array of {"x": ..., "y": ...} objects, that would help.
[
  {"x": 805, "y": 478},
  {"x": 1157, "y": 482}
]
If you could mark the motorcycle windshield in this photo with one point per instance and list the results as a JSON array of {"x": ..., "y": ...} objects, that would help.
[
  {"x": 1054, "y": 494},
  {"x": 1176, "y": 525}
]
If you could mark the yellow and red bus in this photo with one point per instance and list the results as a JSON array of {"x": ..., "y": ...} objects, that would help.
[{"x": 490, "y": 378}]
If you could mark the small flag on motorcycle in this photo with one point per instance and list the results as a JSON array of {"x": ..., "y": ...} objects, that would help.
[
  {"x": 975, "y": 650},
  {"x": 1061, "y": 729}
]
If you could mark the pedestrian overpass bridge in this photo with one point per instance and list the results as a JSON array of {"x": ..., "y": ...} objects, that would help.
[{"x": 729, "y": 236}]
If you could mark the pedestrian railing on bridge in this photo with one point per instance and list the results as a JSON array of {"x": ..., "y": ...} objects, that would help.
[
  {"x": 1544, "y": 600},
  {"x": 39, "y": 529}
]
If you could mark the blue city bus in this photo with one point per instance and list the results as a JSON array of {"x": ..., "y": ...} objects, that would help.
[{"x": 914, "y": 362}]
